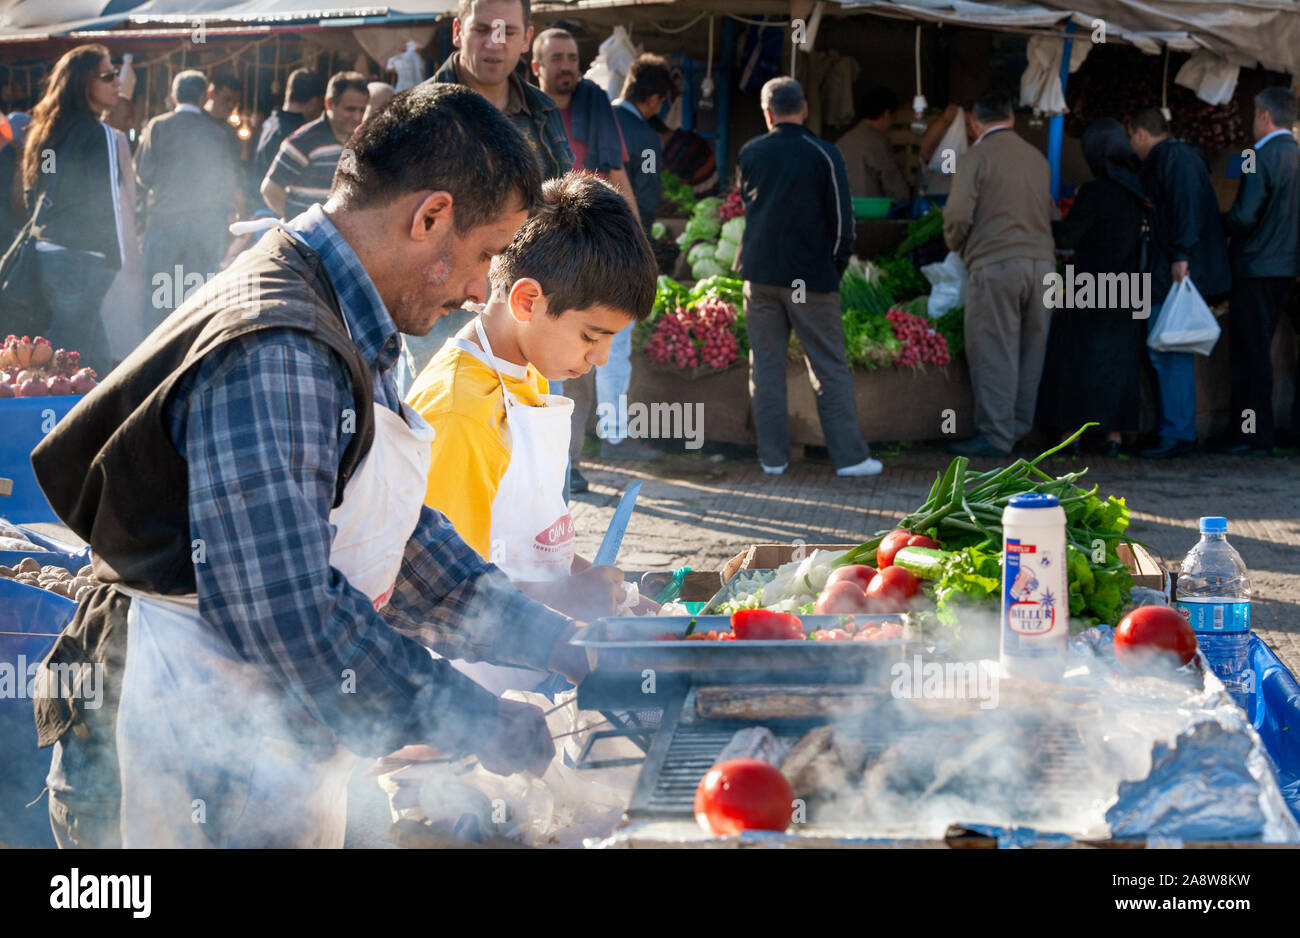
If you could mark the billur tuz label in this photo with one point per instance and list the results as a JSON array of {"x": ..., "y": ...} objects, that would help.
[{"x": 1031, "y": 609}]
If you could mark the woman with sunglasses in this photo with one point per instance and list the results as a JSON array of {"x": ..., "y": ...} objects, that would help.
[{"x": 71, "y": 161}]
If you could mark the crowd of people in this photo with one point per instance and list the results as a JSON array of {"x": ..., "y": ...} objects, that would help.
[{"x": 120, "y": 238}]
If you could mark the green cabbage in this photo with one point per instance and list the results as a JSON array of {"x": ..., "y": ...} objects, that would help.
[
  {"x": 699, "y": 252},
  {"x": 726, "y": 252},
  {"x": 706, "y": 267},
  {"x": 658, "y": 231},
  {"x": 703, "y": 229},
  {"x": 708, "y": 208},
  {"x": 733, "y": 229}
]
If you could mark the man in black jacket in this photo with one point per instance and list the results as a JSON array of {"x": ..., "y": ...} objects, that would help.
[
  {"x": 797, "y": 242},
  {"x": 1265, "y": 251},
  {"x": 1189, "y": 242}
]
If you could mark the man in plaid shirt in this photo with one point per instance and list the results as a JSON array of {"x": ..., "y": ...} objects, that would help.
[{"x": 247, "y": 389}]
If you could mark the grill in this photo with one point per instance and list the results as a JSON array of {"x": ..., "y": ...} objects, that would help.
[{"x": 688, "y": 744}]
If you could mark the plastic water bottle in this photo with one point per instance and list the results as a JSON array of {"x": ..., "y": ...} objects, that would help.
[
  {"x": 1035, "y": 592},
  {"x": 1213, "y": 592}
]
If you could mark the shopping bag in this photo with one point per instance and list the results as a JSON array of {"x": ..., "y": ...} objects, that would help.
[
  {"x": 613, "y": 62},
  {"x": 1185, "y": 323},
  {"x": 949, "y": 284},
  {"x": 954, "y": 139}
]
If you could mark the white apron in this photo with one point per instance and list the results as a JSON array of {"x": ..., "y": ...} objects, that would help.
[
  {"x": 202, "y": 735},
  {"x": 532, "y": 536}
]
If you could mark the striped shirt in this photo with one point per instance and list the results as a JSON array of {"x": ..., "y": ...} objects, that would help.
[{"x": 305, "y": 165}]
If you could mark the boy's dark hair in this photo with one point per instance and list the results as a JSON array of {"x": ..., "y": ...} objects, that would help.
[
  {"x": 463, "y": 8},
  {"x": 649, "y": 75},
  {"x": 303, "y": 85},
  {"x": 992, "y": 106},
  {"x": 585, "y": 247},
  {"x": 1279, "y": 102},
  {"x": 341, "y": 82},
  {"x": 440, "y": 136},
  {"x": 877, "y": 101},
  {"x": 1151, "y": 120}
]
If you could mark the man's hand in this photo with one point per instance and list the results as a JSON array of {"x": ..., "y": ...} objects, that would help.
[
  {"x": 593, "y": 593},
  {"x": 1178, "y": 270},
  {"x": 567, "y": 660},
  {"x": 520, "y": 741}
]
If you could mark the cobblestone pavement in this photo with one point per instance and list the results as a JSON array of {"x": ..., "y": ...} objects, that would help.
[{"x": 699, "y": 511}]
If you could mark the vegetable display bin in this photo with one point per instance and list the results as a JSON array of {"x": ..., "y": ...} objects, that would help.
[
  {"x": 871, "y": 208},
  {"x": 26, "y": 420},
  {"x": 56, "y": 552},
  {"x": 30, "y": 621}
]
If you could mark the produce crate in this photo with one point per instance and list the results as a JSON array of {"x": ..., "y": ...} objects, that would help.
[
  {"x": 30, "y": 620},
  {"x": 26, "y": 420}
]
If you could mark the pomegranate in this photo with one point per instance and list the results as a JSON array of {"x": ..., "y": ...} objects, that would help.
[
  {"x": 59, "y": 385},
  {"x": 42, "y": 351},
  {"x": 32, "y": 388},
  {"x": 5, "y": 389},
  {"x": 83, "y": 381},
  {"x": 9, "y": 352},
  {"x": 23, "y": 352},
  {"x": 28, "y": 374}
]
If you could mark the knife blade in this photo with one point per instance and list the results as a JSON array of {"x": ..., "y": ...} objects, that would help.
[{"x": 617, "y": 527}]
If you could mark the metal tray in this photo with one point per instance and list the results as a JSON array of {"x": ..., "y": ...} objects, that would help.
[{"x": 621, "y": 644}]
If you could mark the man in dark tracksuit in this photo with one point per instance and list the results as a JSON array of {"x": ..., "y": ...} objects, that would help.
[
  {"x": 797, "y": 242},
  {"x": 1265, "y": 252},
  {"x": 1189, "y": 242}
]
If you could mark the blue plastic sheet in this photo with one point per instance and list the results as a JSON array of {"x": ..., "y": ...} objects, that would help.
[
  {"x": 1276, "y": 714},
  {"x": 26, "y": 420},
  {"x": 30, "y": 620}
]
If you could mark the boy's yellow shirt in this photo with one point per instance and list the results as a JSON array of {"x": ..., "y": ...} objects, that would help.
[{"x": 459, "y": 394}]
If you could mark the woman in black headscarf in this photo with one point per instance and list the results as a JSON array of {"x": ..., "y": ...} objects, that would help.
[{"x": 1094, "y": 354}]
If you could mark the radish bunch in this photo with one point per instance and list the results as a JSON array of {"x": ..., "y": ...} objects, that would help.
[
  {"x": 732, "y": 206},
  {"x": 696, "y": 335},
  {"x": 33, "y": 368},
  {"x": 922, "y": 344}
]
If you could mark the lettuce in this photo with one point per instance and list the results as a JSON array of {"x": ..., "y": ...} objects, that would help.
[
  {"x": 706, "y": 267},
  {"x": 708, "y": 209},
  {"x": 733, "y": 229},
  {"x": 726, "y": 252},
  {"x": 703, "y": 229}
]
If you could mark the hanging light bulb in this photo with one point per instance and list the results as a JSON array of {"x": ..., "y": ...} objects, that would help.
[
  {"x": 918, "y": 103},
  {"x": 706, "y": 86},
  {"x": 233, "y": 118}
]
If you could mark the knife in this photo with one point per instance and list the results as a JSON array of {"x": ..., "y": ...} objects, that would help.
[{"x": 617, "y": 527}]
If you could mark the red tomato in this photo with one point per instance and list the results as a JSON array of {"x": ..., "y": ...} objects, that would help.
[
  {"x": 857, "y": 573},
  {"x": 841, "y": 597},
  {"x": 894, "y": 542},
  {"x": 1152, "y": 632},
  {"x": 830, "y": 635},
  {"x": 891, "y": 589},
  {"x": 920, "y": 540},
  {"x": 743, "y": 794},
  {"x": 762, "y": 624}
]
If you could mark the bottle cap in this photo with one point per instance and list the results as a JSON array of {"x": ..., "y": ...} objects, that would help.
[
  {"x": 1214, "y": 524},
  {"x": 1034, "y": 500}
]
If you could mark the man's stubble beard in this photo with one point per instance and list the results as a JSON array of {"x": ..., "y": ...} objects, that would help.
[{"x": 415, "y": 309}]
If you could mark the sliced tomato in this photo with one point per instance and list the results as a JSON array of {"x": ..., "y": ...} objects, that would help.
[{"x": 765, "y": 625}]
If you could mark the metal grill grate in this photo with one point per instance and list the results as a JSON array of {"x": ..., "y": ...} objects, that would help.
[{"x": 688, "y": 745}]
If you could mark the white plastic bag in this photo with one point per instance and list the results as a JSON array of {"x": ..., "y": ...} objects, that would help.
[
  {"x": 1185, "y": 323},
  {"x": 610, "y": 67},
  {"x": 949, "y": 279},
  {"x": 954, "y": 139},
  {"x": 1214, "y": 79}
]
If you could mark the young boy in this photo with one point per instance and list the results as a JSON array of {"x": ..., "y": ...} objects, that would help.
[{"x": 576, "y": 274}]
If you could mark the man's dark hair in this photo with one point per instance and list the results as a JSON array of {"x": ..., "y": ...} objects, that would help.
[
  {"x": 540, "y": 40},
  {"x": 462, "y": 11},
  {"x": 1279, "y": 102},
  {"x": 649, "y": 75},
  {"x": 446, "y": 137},
  {"x": 991, "y": 107},
  {"x": 1151, "y": 120},
  {"x": 341, "y": 82},
  {"x": 225, "y": 81},
  {"x": 585, "y": 247},
  {"x": 302, "y": 86},
  {"x": 877, "y": 101},
  {"x": 189, "y": 87}
]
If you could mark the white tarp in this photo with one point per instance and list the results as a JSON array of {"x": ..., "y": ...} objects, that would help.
[
  {"x": 1242, "y": 32},
  {"x": 35, "y": 19},
  {"x": 1212, "y": 78},
  {"x": 1040, "y": 85}
]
